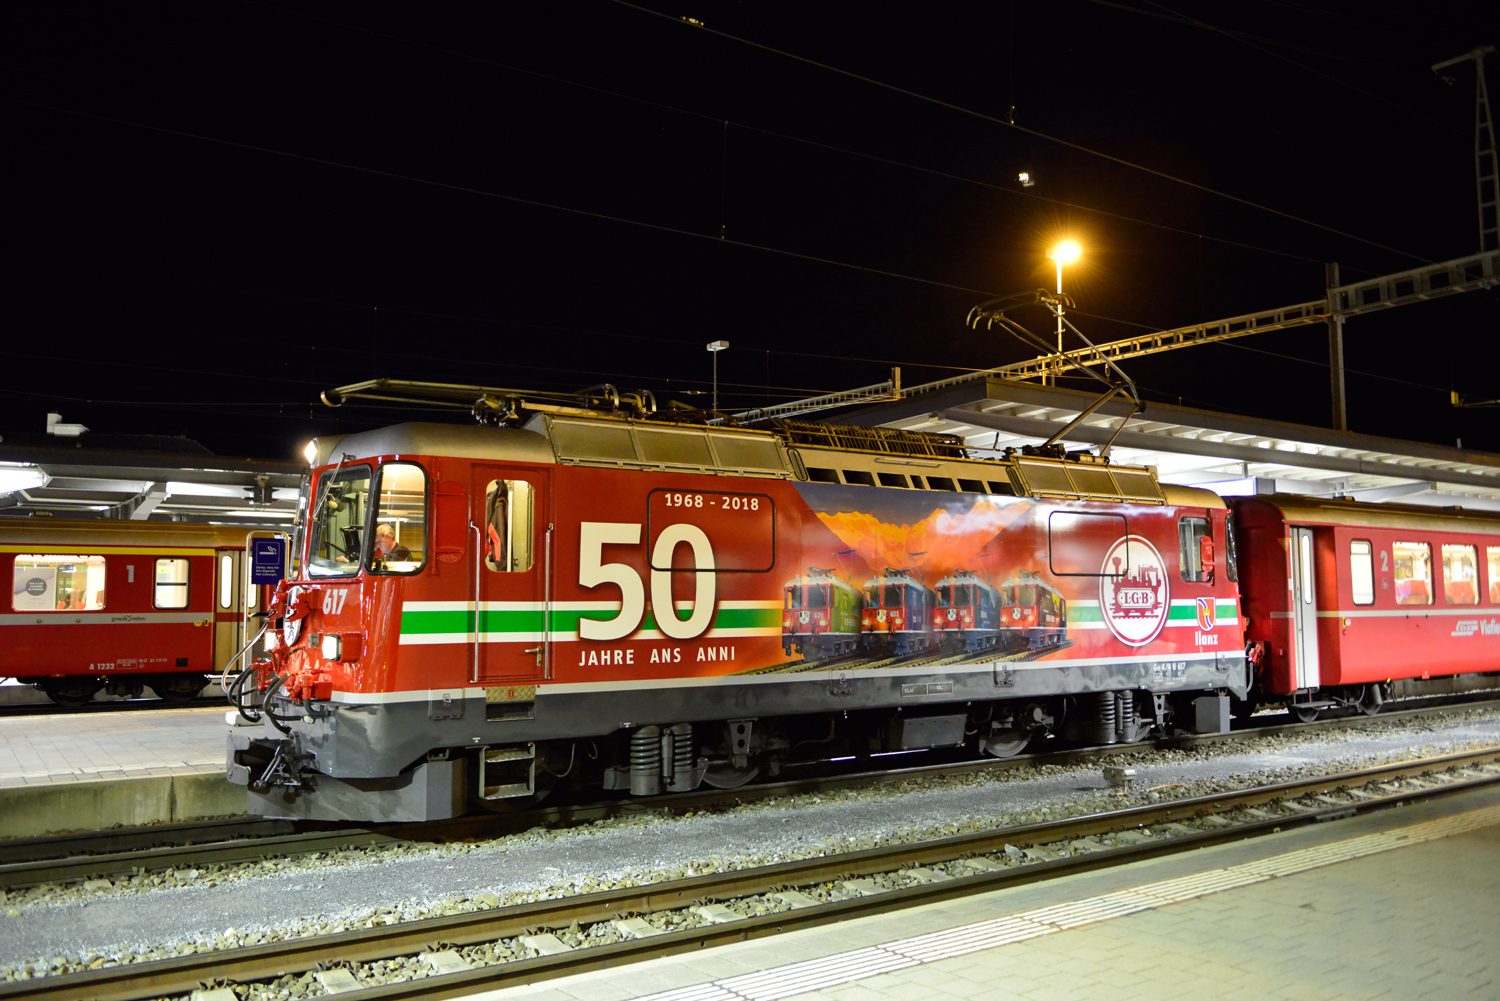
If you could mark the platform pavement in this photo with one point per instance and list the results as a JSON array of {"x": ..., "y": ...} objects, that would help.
[
  {"x": 96, "y": 770},
  {"x": 1394, "y": 923}
]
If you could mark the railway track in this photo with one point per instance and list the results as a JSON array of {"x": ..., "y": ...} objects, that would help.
[
  {"x": 784, "y": 897},
  {"x": 26, "y": 862}
]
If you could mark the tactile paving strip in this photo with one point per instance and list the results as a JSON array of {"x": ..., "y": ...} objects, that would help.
[{"x": 860, "y": 964}]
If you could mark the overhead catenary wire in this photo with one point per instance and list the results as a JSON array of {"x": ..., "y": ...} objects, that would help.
[
  {"x": 1245, "y": 40},
  {"x": 772, "y": 133},
  {"x": 1183, "y": 19},
  {"x": 1261, "y": 351},
  {"x": 499, "y": 196},
  {"x": 939, "y": 102}
]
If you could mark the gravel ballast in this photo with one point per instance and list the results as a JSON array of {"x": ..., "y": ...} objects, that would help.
[{"x": 59, "y": 928}]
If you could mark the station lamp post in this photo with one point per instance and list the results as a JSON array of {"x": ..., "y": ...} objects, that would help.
[
  {"x": 716, "y": 347},
  {"x": 1066, "y": 252}
]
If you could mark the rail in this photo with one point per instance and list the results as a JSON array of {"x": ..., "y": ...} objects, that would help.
[{"x": 1445, "y": 775}]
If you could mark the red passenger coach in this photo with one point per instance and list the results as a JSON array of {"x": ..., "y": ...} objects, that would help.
[
  {"x": 1348, "y": 602},
  {"x": 120, "y": 605}
]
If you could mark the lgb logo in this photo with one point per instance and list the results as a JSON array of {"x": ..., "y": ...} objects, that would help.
[{"x": 1133, "y": 592}]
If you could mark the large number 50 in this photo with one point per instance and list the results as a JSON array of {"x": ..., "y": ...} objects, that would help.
[{"x": 593, "y": 571}]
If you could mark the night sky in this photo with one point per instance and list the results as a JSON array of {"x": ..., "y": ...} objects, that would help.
[{"x": 215, "y": 210}]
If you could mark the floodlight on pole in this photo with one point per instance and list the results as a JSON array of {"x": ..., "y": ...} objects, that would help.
[
  {"x": 715, "y": 347},
  {"x": 1065, "y": 252}
]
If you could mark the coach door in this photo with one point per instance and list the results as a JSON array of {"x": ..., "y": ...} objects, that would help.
[
  {"x": 1304, "y": 609},
  {"x": 227, "y": 607},
  {"x": 512, "y": 576}
]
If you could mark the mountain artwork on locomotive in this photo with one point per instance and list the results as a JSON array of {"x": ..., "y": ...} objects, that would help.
[{"x": 591, "y": 594}]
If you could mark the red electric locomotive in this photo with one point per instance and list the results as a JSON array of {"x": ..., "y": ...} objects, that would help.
[
  {"x": 120, "y": 605},
  {"x": 898, "y": 612},
  {"x": 822, "y": 614},
  {"x": 1348, "y": 603},
  {"x": 968, "y": 612},
  {"x": 1034, "y": 614},
  {"x": 591, "y": 594}
]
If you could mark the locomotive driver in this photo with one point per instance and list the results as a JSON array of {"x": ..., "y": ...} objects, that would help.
[{"x": 386, "y": 546}]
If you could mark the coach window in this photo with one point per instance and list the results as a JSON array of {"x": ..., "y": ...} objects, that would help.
[
  {"x": 57, "y": 583},
  {"x": 508, "y": 518},
  {"x": 226, "y": 581},
  {"x": 1413, "y": 572},
  {"x": 338, "y": 523},
  {"x": 1460, "y": 575},
  {"x": 171, "y": 584},
  {"x": 1189, "y": 532},
  {"x": 1362, "y": 571},
  {"x": 1492, "y": 572},
  {"x": 399, "y": 542}
]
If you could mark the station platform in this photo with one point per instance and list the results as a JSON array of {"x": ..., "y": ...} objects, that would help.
[
  {"x": 92, "y": 771},
  {"x": 1397, "y": 905}
]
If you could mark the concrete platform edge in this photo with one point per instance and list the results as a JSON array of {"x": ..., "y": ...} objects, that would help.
[{"x": 28, "y": 811}]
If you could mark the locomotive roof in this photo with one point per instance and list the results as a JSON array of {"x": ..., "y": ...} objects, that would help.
[
  {"x": 471, "y": 442},
  {"x": 1326, "y": 511},
  {"x": 818, "y": 579},
  {"x": 631, "y": 443},
  {"x": 886, "y": 578},
  {"x": 33, "y": 534},
  {"x": 965, "y": 579}
]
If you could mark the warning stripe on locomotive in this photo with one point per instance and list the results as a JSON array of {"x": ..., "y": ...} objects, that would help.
[
  {"x": 435, "y": 622},
  {"x": 1087, "y": 615}
]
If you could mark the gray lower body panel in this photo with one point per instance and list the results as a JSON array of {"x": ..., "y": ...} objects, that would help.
[
  {"x": 434, "y": 790},
  {"x": 378, "y": 741}
]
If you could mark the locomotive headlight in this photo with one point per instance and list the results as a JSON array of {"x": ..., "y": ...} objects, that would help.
[
  {"x": 332, "y": 647},
  {"x": 310, "y": 452}
]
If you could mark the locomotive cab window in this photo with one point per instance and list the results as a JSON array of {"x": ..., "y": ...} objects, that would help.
[
  {"x": 1413, "y": 572},
  {"x": 338, "y": 529},
  {"x": 399, "y": 542},
  {"x": 1190, "y": 535},
  {"x": 508, "y": 523},
  {"x": 170, "y": 583},
  {"x": 1460, "y": 575},
  {"x": 1231, "y": 549},
  {"x": 1362, "y": 571},
  {"x": 57, "y": 583},
  {"x": 953, "y": 595}
]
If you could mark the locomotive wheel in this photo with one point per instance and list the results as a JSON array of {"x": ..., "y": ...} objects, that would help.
[
  {"x": 71, "y": 692},
  {"x": 179, "y": 687},
  {"x": 1006, "y": 743},
  {"x": 1243, "y": 708},
  {"x": 1303, "y": 714},
  {"x": 1371, "y": 699}
]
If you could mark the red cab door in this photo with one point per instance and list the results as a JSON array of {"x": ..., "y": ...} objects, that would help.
[{"x": 512, "y": 575}]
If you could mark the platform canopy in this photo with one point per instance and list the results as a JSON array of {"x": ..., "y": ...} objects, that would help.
[
  {"x": 77, "y": 478},
  {"x": 1229, "y": 454}
]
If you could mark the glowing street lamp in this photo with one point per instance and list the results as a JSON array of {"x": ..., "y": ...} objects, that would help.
[{"x": 1066, "y": 252}]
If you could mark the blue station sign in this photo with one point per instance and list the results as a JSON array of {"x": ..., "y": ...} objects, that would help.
[{"x": 267, "y": 560}]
